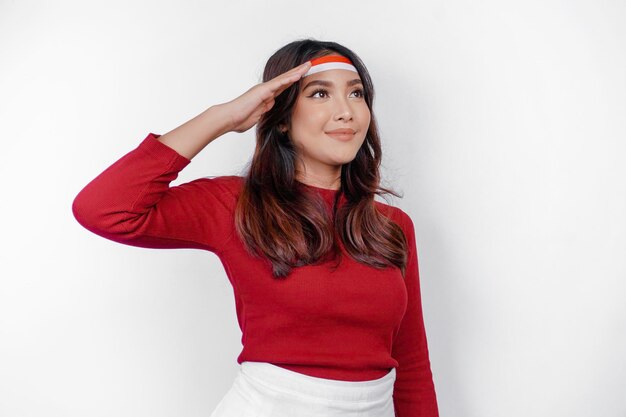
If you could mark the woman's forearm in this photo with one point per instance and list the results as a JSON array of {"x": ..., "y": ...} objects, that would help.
[{"x": 192, "y": 136}]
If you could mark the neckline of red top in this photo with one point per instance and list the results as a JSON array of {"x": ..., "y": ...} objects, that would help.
[
  {"x": 327, "y": 194},
  {"x": 326, "y": 190}
]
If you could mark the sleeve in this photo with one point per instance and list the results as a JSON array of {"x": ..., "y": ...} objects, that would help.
[
  {"x": 132, "y": 203},
  {"x": 414, "y": 391}
]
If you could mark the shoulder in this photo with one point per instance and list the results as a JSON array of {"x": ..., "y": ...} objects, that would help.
[
  {"x": 226, "y": 183},
  {"x": 395, "y": 214},
  {"x": 402, "y": 219},
  {"x": 223, "y": 190}
]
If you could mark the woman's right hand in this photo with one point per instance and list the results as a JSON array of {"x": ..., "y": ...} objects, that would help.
[{"x": 246, "y": 110}]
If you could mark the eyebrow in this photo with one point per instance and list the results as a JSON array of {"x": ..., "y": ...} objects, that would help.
[{"x": 329, "y": 83}]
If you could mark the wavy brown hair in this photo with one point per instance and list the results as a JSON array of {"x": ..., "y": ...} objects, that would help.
[{"x": 291, "y": 227}]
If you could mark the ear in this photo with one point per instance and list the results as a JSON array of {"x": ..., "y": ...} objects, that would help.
[{"x": 282, "y": 127}]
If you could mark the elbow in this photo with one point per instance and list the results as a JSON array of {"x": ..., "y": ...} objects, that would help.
[
  {"x": 106, "y": 219},
  {"x": 83, "y": 212},
  {"x": 91, "y": 213}
]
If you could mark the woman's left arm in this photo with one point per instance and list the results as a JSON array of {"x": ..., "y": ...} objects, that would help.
[{"x": 414, "y": 390}]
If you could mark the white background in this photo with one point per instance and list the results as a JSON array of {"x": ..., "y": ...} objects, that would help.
[{"x": 503, "y": 123}]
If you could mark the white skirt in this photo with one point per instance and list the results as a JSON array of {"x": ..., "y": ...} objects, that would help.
[{"x": 262, "y": 389}]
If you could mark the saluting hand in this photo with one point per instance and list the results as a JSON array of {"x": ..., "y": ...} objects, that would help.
[{"x": 246, "y": 110}]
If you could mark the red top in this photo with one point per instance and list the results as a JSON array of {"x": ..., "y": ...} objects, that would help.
[{"x": 353, "y": 324}]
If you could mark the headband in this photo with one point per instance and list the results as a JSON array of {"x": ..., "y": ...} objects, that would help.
[{"x": 330, "y": 62}]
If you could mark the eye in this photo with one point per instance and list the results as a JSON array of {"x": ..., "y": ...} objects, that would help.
[
  {"x": 360, "y": 92},
  {"x": 319, "y": 90}
]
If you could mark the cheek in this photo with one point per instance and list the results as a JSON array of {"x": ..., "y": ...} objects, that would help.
[
  {"x": 365, "y": 116},
  {"x": 311, "y": 119}
]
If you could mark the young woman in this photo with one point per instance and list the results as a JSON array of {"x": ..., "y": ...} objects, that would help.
[{"x": 325, "y": 278}]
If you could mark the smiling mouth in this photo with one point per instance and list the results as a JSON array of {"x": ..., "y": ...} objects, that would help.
[{"x": 341, "y": 135}]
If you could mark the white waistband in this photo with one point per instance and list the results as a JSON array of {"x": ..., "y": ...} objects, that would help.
[{"x": 288, "y": 381}]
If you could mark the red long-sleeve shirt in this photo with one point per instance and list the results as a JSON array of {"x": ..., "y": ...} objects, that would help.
[{"x": 353, "y": 324}]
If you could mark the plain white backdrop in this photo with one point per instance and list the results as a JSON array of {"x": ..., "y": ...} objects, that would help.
[{"x": 503, "y": 123}]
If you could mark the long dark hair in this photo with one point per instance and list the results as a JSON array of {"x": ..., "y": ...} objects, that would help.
[{"x": 276, "y": 220}]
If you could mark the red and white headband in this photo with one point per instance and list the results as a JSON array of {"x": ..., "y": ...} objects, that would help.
[{"x": 330, "y": 62}]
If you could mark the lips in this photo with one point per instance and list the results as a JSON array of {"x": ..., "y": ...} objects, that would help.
[
  {"x": 341, "y": 131},
  {"x": 341, "y": 134}
]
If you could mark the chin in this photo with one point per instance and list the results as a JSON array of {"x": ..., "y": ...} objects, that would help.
[{"x": 344, "y": 160}]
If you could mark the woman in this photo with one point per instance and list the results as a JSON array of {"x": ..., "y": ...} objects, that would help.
[{"x": 325, "y": 278}]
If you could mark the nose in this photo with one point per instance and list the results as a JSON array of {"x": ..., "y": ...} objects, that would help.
[{"x": 343, "y": 110}]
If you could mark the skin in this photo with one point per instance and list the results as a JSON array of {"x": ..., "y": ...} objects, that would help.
[{"x": 315, "y": 112}]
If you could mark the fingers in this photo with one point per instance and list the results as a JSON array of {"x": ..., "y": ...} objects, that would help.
[
  {"x": 283, "y": 81},
  {"x": 300, "y": 68},
  {"x": 292, "y": 75},
  {"x": 283, "y": 88}
]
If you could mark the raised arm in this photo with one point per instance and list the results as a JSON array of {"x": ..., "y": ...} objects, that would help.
[{"x": 132, "y": 203}]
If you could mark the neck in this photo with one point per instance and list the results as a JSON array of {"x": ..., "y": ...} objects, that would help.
[{"x": 332, "y": 181}]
